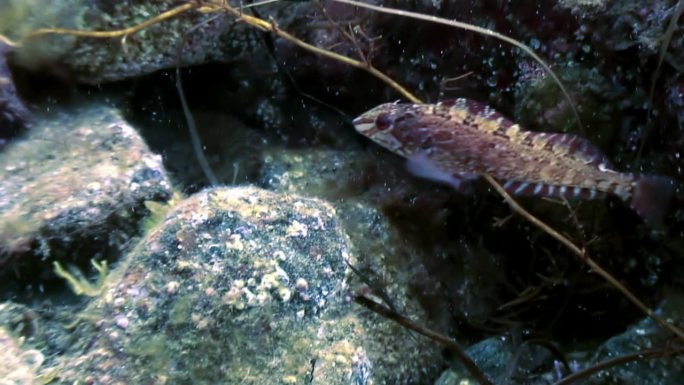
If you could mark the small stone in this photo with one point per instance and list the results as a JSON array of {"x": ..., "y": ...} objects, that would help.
[
  {"x": 297, "y": 229},
  {"x": 301, "y": 284},
  {"x": 172, "y": 287},
  {"x": 122, "y": 322},
  {"x": 285, "y": 294},
  {"x": 279, "y": 255}
]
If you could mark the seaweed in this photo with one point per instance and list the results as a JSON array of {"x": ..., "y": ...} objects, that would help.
[{"x": 79, "y": 283}]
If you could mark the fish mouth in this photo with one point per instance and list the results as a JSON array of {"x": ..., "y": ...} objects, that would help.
[
  {"x": 364, "y": 124},
  {"x": 362, "y": 120}
]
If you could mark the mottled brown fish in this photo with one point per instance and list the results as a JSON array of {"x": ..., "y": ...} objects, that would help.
[{"x": 460, "y": 139}]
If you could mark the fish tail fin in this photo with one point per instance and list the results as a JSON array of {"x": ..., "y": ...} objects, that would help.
[{"x": 651, "y": 197}]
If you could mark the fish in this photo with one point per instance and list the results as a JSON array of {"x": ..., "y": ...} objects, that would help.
[{"x": 458, "y": 140}]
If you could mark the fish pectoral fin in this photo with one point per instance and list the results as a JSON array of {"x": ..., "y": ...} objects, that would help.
[{"x": 420, "y": 165}]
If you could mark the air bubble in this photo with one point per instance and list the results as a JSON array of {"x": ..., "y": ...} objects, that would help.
[{"x": 535, "y": 44}]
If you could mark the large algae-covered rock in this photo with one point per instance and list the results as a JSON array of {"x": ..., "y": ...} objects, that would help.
[
  {"x": 240, "y": 285},
  {"x": 17, "y": 365},
  {"x": 75, "y": 179},
  {"x": 191, "y": 37}
]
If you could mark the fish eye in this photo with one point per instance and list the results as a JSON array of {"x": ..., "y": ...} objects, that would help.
[{"x": 384, "y": 121}]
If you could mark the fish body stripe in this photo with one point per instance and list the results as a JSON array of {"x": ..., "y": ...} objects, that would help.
[
  {"x": 552, "y": 191},
  {"x": 538, "y": 188}
]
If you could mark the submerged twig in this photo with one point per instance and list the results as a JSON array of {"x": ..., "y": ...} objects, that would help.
[
  {"x": 584, "y": 256},
  {"x": 116, "y": 33},
  {"x": 444, "y": 83},
  {"x": 643, "y": 354},
  {"x": 189, "y": 118},
  {"x": 449, "y": 343},
  {"x": 6, "y": 40},
  {"x": 272, "y": 27}
]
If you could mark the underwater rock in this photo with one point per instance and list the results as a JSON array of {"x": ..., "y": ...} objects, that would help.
[
  {"x": 14, "y": 115},
  {"x": 627, "y": 23},
  {"x": 644, "y": 336},
  {"x": 506, "y": 361},
  {"x": 398, "y": 225},
  {"x": 239, "y": 285},
  {"x": 583, "y": 7},
  {"x": 191, "y": 38},
  {"x": 538, "y": 361},
  {"x": 326, "y": 174},
  {"x": 18, "y": 366},
  {"x": 72, "y": 186}
]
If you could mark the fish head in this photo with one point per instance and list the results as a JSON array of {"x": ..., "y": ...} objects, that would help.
[{"x": 380, "y": 124}]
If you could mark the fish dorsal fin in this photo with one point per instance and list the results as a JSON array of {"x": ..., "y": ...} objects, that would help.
[
  {"x": 472, "y": 107},
  {"x": 489, "y": 120},
  {"x": 574, "y": 146},
  {"x": 477, "y": 110},
  {"x": 479, "y": 115}
]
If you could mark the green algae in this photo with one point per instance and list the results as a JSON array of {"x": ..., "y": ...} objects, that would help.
[
  {"x": 78, "y": 282},
  {"x": 159, "y": 210}
]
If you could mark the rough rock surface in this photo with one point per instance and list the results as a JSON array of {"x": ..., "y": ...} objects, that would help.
[
  {"x": 189, "y": 39},
  {"x": 642, "y": 337},
  {"x": 14, "y": 115},
  {"x": 17, "y": 366},
  {"x": 240, "y": 285},
  {"x": 75, "y": 179}
]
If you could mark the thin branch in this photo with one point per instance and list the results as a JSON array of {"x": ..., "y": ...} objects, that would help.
[
  {"x": 189, "y": 118},
  {"x": 116, "y": 33},
  {"x": 444, "y": 83},
  {"x": 6, "y": 40},
  {"x": 644, "y": 354},
  {"x": 584, "y": 256},
  {"x": 272, "y": 27},
  {"x": 450, "y": 343},
  {"x": 258, "y": 4}
]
